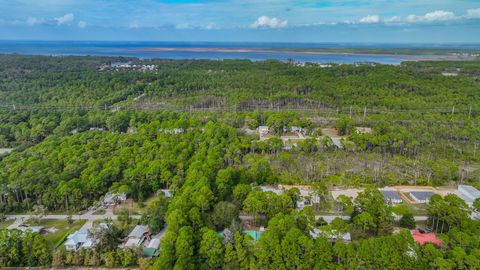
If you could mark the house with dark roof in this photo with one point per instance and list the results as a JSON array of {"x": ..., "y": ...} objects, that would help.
[
  {"x": 391, "y": 197},
  {"x": 421, "y": 196}
]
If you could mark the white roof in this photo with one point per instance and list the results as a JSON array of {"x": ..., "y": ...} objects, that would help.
[
  {"x": 316, "y": 232},
  {"x": 112, "y": 197},
  {"x": 167, "y": 193},
  {"x": 79, "y": 238},
  {"x": 272, "y": 189},
  {"x": 337, "y": 142},
  {"x": 36, "y": 229}
]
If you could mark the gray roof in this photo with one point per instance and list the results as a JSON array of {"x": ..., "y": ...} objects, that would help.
[
  {"x": 422, "y": 195},
  {"x": 390, "y": 195},
  {"x": 138, "y": 231},
  {"x": 473, "y": 192}
]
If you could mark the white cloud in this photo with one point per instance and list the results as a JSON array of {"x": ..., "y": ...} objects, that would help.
[
  {"x": 82, "y": 24},
  {"x": 65, "y": 19},
  {"x": 210, "y": 26},
  {"x": 267, "y": 22},
  {"x": 184, "y": 26},
  {"x": 370, "y": 19},
  {"x": 394, "y": 19},
  {"x": 31, "y": 21},
  {"x": 434, "y": 16},
  {"x": 473, "y": 13},
  {"x": 439, "y": 15}
]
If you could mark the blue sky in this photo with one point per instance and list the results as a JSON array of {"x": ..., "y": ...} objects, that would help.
[{"x": 423, "y": 21}]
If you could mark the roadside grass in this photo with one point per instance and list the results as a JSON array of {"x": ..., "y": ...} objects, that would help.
[
  {"x": 63, "y": 230},
  {"x": 99, "y": 212},
  {"x": 6, "y": 223}
]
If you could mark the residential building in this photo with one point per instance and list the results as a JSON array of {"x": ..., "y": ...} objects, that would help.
[
  {"x": 263, "y": 130},
  {"x": 78, "y": 239},
  {"x": 331, "y": 235},
  {"x": 152, "y": 248},
  {"x": 36, "y": 229},
  {"x": 468, "y": 193},
  {"x": 424, "y": 238},
  {"x": 138, "y": 236},
  {"x": 114, "y": 198},
  {"x": 421, "y": 196},
  {"x": 391, "y": 197},
  {"x": 83, "y": 238},
  {"x": 272, "y": 189}
]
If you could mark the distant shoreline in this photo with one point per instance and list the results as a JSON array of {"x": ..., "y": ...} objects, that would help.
[{"x": 424, "y": 57}]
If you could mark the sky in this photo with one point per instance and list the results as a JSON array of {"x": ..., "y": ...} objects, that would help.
[{"x": 375, "y": 21}]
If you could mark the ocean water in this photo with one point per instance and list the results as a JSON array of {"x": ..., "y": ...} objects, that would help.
[{"x": 205, "y": 50}]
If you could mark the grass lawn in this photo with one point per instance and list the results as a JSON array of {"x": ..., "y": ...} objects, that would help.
[
  {"x": 63, "y": 229},
  {"x": 140, "y": 208},
  {"x": 5, "y": 224}
]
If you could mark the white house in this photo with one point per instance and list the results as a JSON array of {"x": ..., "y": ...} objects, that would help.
[
  {"x": 78, "y": 239},
  {"x": 83, "y": 238},
  {"x": 263, "y": 130},
  {"x": 331, "y": 236},
  {"x": 272, "y": 189},
  {"x": 468, "y": 193}
]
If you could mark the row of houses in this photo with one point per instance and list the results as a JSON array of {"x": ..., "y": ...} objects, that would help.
[
  {"x": 392, "y": 196},
  {"x": 140, "y": 237}
]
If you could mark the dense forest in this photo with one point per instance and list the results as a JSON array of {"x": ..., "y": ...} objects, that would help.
[{"x": 79, "y": 127}]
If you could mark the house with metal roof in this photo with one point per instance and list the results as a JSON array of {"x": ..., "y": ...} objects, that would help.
[
  {"x": 114, "y": 198},
  {"x": 272, "y": 189},
  {"x": 391, "y": 197},
  {"x": 421, "y": 196},
  {"x": 152, "y": 248},
  {"x": 36, "y": 229},
  {"x": 468, "y": 193},
  {"x": 137, "y": 236},
  {"x": 78, "y": 239},
  {"x": 83, "y": 238}
]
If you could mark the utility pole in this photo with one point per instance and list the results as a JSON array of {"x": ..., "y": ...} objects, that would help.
[
  {"x": 470, "y": 111},
  {"x": 364, "y": 113},
  {"x": 453, "y": 109},
  {"x": 350, "y": 111}
]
